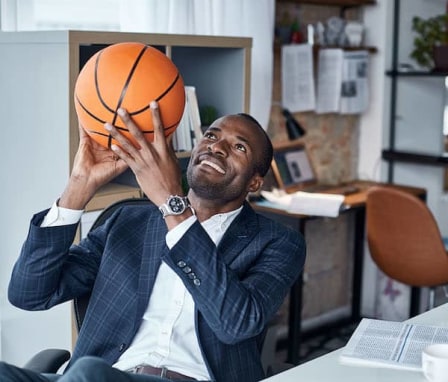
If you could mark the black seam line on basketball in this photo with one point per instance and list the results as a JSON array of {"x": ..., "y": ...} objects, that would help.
[
  {"x": 108, "y": 108},
  {"x": 123, "y": 91},
  {"x": 158, "y": 98},
  {"x": 128, "y": 81},
  {"x": 88, "y": 112},
  {"x": 107, "y": 135},
  {"x": 117, "y": 127}
]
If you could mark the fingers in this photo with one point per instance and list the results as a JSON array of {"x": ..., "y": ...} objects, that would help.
[
  {"x": 131, "y": 126},
  {"x": 126, "y": 148},
  {"x": 159, "y": 134},
  {"x": 82, "y": 132},
  {"x": 125, "y": 145}
]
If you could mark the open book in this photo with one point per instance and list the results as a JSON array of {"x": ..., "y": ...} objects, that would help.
[{"x": 391, "y": 344}]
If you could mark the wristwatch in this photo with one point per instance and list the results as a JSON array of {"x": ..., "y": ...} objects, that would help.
[{"x": 175, "y": 205}]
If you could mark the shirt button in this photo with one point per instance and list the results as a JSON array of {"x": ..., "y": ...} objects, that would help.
[
  {"x": 181, "y": 264},
  {"x": 197, "y": 282},
  {"x": 122, "y": 346}
]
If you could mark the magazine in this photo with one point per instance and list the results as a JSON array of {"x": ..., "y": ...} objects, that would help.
[{"x": 391, "y": 344}]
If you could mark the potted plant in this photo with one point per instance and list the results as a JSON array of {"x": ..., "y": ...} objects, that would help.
[
  {"x": 431, "y": 42},
  {"x": 208, "y": 115}
]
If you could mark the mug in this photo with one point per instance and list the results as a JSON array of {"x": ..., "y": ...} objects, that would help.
[{"x": 435, "y": 363}]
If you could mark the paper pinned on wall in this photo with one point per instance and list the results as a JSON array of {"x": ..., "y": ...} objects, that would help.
[
  {"x": 354, "y": 86},
  {"x": 329, "y": 79},
  {"x": 298, "y": 92}
]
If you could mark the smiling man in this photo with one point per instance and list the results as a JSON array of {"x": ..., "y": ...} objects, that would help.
[{"x": 182, "y": 288}]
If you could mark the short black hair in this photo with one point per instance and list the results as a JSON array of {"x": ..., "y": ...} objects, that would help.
[{"x": 267, "y": 150}]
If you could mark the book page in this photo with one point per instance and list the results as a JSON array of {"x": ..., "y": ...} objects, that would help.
[
  {"x": 391, "y": 344},
  {"x": 354, "y": 86},
  {"x": 329, "y": 80}
]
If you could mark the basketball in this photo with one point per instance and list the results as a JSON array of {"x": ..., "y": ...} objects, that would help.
[{"x": 128, "y": 75}]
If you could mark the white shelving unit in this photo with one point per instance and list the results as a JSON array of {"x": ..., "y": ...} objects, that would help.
[{"x": 40, "y": 138}]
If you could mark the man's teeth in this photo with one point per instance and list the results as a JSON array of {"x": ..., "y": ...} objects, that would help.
[{"x": 213, "y": 165}]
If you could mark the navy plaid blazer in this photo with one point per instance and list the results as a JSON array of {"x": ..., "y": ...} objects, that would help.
[{"x": 237, "y": 288}]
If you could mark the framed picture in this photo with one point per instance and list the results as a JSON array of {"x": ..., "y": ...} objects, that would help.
[{"x": 292, "y": 167}]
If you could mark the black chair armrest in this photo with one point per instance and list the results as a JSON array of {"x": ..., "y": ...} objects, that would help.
[{"x": 48, "y": 361}]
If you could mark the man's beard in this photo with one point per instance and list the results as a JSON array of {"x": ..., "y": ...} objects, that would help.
[{"x": 208, "y": 190}]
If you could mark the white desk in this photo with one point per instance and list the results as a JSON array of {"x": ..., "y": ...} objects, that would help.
[{"x": 327, "y": 368}]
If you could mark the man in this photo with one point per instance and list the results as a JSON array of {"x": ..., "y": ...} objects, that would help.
[{"x": 182, "y": 288}]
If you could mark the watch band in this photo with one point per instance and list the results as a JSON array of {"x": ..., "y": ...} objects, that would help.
[{"x": 175, "y": 205}]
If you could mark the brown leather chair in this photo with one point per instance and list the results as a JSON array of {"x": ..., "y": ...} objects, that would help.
[{"x": 405, "y": 241}]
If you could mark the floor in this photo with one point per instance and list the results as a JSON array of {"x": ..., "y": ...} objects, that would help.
[{"x": 318, "y": 344}]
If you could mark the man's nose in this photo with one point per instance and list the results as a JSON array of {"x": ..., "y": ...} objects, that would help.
[{"x": 218, "y": 148}]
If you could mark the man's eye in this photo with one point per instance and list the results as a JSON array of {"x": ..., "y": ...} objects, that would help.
[
  {"x": 240, "y": 147},
  {"x": 209, "y": 135}
]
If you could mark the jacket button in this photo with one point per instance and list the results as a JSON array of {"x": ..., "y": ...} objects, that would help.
[
  {"x": 181, "y": 264},
  {"x": 122, "y": 346},
  {"x": 187, "y": 269},
  {"x": 197, "y": 282}
]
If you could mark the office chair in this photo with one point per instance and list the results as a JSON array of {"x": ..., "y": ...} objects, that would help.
[
  {"x": 405, "y": 242},
  {"x": 51, "y": 360}
]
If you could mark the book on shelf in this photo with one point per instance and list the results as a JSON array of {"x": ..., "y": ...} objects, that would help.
[
  {"x": 390, "y": 344},
  {"x": 189, "y": 130}
]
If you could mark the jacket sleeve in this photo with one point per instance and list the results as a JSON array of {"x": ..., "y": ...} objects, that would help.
[{"x": 49, "y": 271}]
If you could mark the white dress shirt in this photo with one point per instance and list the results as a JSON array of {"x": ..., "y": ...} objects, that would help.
[{"x": 167, "y": 336}]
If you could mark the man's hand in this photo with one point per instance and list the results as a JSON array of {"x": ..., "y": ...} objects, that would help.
[
  {"x": 93, "y": 167},
  {"x": 155, "y": 164}
]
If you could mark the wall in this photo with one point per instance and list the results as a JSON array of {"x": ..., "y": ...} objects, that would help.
[{"x": 34, "y": 168}]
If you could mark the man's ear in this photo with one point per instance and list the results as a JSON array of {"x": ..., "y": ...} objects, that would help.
[{"x": 255, "y": 184}]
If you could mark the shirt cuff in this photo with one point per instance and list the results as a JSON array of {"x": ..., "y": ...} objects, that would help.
[
  {"x": 174, "y": 235},
  {"x": 58, "y": 216}
]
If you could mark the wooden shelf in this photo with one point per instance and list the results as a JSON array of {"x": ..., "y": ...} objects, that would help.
[
  {"x": 371, "y": 49},
  {"x": 316, "y": 48},
  {"x": 339, "y": 3}
]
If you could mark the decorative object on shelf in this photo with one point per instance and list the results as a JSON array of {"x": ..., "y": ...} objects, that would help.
[
  {"x": 293, "y": 127},
  {"x": 283, "y": 29},
  {"x": 431, "y": 42},
  {"x": 334, "y": 31},
  {"x": 354, "y": 32}
]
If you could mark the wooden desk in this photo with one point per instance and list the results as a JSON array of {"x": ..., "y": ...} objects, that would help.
[
  {"x": 327, "y": 368},
  {"x": 353, "y": 203}
]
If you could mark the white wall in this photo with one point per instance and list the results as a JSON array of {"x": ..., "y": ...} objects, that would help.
[{"x": 34, "y": 168}]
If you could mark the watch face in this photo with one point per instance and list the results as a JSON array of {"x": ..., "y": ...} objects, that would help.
[{"x": 176, "y": 204}]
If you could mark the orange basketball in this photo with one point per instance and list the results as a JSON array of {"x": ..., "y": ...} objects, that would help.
[{"x": 128, "y": 75}]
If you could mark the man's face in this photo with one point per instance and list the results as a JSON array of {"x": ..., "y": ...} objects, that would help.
[{"x": 222, "y": 164}]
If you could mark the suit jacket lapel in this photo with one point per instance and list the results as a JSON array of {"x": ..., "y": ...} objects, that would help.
[{"x": 239, "y": 234}]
